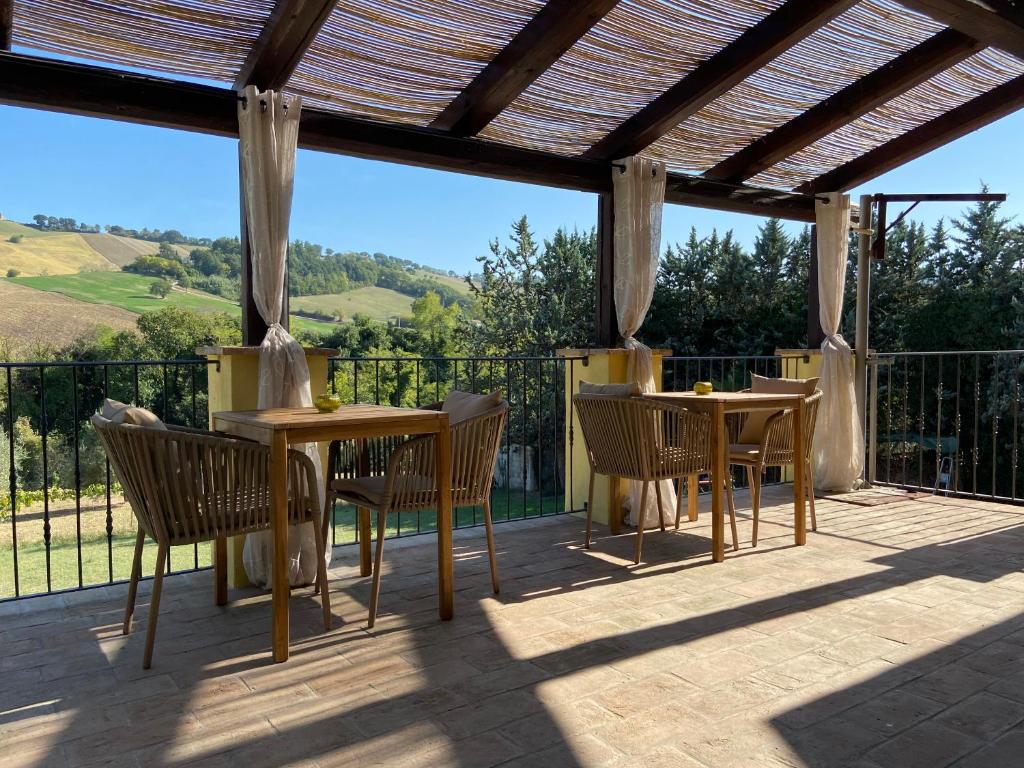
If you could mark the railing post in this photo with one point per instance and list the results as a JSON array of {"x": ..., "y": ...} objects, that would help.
[{"x": 873, "y": 423}]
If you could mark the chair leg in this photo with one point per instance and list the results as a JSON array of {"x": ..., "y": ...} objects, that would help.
[
  {"x": 640, "y": 524},
  {"x": 754, "y": 477},
  {"x": 692, "y": 492},
  {"x": 732, "y": 512},
  {"x": 679, "y": 503},
  {"x": 810, "y": 496},
  {"x": 321, "y": 575},
  {"x": 154, "y": 604},
  {"x": 491, "y": 553},
  {"x": 133, "y": 585},
  {"x": 363, "y": 515},
  {"x": 590, "y": 510},
  {"x": 325, "y": 530},
  {"x": 382, "y": 517},
  {"x": 657, "y": 491}
]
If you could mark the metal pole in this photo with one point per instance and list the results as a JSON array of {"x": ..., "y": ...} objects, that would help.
[{"x": 863, "y": 302}]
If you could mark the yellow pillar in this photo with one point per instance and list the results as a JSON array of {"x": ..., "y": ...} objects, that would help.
[
  {"x": 233, "y": 386},
  {"x": 600, "y": 366}
]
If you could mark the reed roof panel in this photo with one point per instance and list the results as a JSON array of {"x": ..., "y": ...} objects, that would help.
[
  {"x": 404, "y": 60},
  {"x": 858, "y": 41},
  {"x": 974, "y": 76},
  {"x": 200, "y": 39},
  {"x": 639, "y": 50}
]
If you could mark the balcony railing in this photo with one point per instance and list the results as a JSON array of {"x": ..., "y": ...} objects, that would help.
[{"x": 949, "y": 420}]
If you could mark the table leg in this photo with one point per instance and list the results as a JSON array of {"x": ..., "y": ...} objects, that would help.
[
  {"x": 445, "y": 566},
  {"x": 220, "y": 570},
  {"x": 800, "y": 519},
  {"x": 279, "y": 531},
  {"x": 719, "y": 444}
]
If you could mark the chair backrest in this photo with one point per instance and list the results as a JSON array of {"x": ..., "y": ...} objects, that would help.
[
  {"x": 642, "y": 438},
  {"x": 189, "y": 486},
  {"x": 474, "y": 442},
  {"x": 777, "y": 445}
]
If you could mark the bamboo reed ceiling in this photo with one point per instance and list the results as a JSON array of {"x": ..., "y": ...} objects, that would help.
[
  {"x": 405, "y": 61},
  {"x": 201, "y": 39}
]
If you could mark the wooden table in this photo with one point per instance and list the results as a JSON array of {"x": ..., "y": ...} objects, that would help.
[
  {"x": 281, "y": 427},
  {"x": 717, "y": 404}
]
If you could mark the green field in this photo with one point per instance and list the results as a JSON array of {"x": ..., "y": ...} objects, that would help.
[
  {"x": 458, "y": 283},
  {"x": 379, "y": 304},
  {"x": 131, "y": 292}
]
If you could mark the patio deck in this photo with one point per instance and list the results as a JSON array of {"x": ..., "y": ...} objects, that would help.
[{"x": 895, "y": 638}]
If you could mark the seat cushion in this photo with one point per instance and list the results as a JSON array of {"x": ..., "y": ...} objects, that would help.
[
  {"x": 629, "y": 389},
  {"x": 744, "y": 453},
  {"x": 461, "y": 405},
  {"x": 369, "y": 491},
  {"x": 753, "y": 427}
]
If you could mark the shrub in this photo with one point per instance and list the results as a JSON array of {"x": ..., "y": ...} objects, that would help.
[
  {"x": 16, "y": 238},
  {"x": 12, "y": 272}
]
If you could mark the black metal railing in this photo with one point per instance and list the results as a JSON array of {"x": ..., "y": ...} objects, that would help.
[
  {"x": 533, "y": 477},
  {"x": 63, "y": 523},
  {"x": 947, "y": 422}
]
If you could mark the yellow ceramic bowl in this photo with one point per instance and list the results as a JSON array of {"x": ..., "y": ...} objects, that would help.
[
  {"x": 703, "y": 388},
  {"x": 327, "y": 403}
]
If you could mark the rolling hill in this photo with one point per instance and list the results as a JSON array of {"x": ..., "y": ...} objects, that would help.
[
  {"x": 380, "y": 304},
  {"x": 130, "y": 292},
  {"x": 37, "y": 317}
]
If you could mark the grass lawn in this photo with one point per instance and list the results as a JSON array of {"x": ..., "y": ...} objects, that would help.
[
  {"x": 131, "y": 292},
  {"x": 97, "y": 559},
  {"x": 379, "y": 304}
]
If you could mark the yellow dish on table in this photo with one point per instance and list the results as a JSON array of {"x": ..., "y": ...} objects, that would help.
[
  {"x": 703, "y": 388},
  {"x": 327, "y": 403}
]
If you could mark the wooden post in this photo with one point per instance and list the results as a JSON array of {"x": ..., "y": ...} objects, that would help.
[
  {"x": 815, "y": 335},
  {"x": 606, "y": 326},
  {"x": 6, "y": 24}
]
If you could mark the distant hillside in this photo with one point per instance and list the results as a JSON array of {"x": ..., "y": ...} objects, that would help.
[
  {"x": 40, "y": 253},
  {"x": 131, "y": 292},
  {"x": 124, "y": 250},
  {"x": 380, "y": 304},
  {"x": 33, "y": 317}
]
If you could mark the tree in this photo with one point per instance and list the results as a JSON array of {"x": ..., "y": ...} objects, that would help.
[
  {"x": 160, "y": 288},
  {"x": 435, "y": 325},
  {"x": 12, "y": 272},
  {"x": 16, "y": 238}
]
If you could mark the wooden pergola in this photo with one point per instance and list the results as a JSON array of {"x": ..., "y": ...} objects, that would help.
[{"x": 754, "y": 105}]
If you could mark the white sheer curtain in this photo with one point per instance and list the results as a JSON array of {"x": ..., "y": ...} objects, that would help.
[
  {"x": 268, "y": 130},
  {"x": 639, "y": 194},
  {"x": 838, "y": 455}
]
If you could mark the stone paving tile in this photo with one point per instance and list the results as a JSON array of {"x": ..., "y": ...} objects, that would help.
[{"x": 890, "y": 641}]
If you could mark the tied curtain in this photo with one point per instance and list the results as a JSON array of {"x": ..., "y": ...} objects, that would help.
[
  {"x": 268, "y": 131},
  {"x": 639, "y": 194},
  {"x": 838, "y": 448}
]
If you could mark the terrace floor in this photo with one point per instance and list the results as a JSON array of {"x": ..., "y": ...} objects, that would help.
[{"x": 894, "y": 638}]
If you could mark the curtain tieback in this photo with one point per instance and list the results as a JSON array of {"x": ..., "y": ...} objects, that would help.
[{"x": 835, "y": 342}]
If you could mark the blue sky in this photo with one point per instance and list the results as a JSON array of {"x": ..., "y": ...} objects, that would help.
[{"x": 106, "y": 172}]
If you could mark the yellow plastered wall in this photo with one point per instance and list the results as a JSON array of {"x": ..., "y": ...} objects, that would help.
[
  {"x": 233, "y": 386},
  {"x": 601, "y": 366}
]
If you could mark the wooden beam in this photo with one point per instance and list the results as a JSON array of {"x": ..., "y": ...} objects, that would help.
[
  {"x": 99, "y": 92},
  {"x": 898, "y": 76},
  {"x": 965, "y": 119},
  {"x": 997, "y": 23},
  {"x": 538, "y": 45},
  {"x": 6, "y": 24},
  {"x": 775, "y": 33},
  {"x": 291, "y": 28}
]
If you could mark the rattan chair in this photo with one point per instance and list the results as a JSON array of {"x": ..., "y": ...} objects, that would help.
[
  {"x": 776, "y": 450},
  {"x": 408, "y": 481},
  {"x": 646, "y": 440},
  {"x": 189, "y": 486}
]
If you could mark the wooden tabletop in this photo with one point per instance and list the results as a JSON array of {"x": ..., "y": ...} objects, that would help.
[
  {"x": 348, "y": 415},
  {"x": 750, "y": 400}
]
